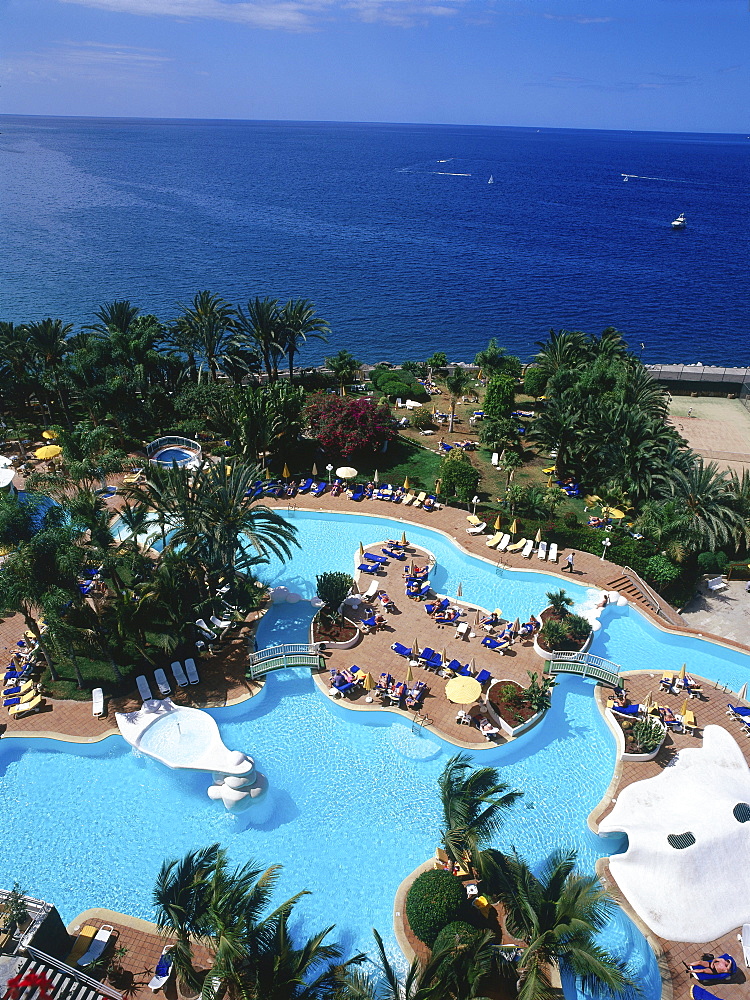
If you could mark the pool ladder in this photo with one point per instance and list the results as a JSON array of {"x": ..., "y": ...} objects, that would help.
[{"x": 419, "y": 721}]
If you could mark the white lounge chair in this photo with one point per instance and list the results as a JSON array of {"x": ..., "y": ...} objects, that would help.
[
  {"x": 161, "y": 682},
  {"x": 219, "y": 623},
  {"x": 504, "y": 543},
  {"x": 97, "y": 946},
  {"x": 371, "y": 590},
  {"x": 179, "y": 674},
  {"x": 478, "y": 529},
  {"x": 744, "y": 937},
  {"x": 717, "y": 584},
  {"x": 528, "y": 549},
  {"x": 97, "y": 702},
  {"x": 542, "y": 552},
  {"x": 552, "y": 555},
  {"x": 206, "y": 629},
  {"x": 162, "y": 972},
  {"x": 191, "y": 671},
  {"x": 143, "y": 688}
]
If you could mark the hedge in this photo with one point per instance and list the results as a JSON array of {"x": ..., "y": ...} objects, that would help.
[
  {"x": 433, "y": 901},
  {"x": 454, "y": 935}
]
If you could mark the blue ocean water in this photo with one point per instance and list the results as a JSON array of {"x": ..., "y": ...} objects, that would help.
[{"x": 393, "y": 230}]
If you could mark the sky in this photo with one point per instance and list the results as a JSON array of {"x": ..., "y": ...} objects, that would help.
[{"x": 668, "y": 65}]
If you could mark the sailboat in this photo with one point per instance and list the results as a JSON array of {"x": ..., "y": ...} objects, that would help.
[
  {"x": 680, "y": 222},
  {"x": 491, "y": 180}
]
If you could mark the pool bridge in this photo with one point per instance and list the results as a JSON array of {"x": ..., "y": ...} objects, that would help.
[
  {"x": 291, "y": 654},
  {"x": 587, "y": 665}
]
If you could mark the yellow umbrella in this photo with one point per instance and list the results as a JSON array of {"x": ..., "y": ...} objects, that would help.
[
  {"x": 268, "y": 473},
  {"x": 616, "y": 514},
  {"x": 476, "y": 617},
  {"x": 409, "y": 675},
  {"x": 459, "y": 590},
  {"x": 514, "y": 527},
  {"x": 498, "y": 522},
  {"x": 48, "y": 451},
  {"x": 403, "y": 538},
  {"x": 538, "y": 536},
  {"x": 415, "y": 649},
  {"x": 361, "y": 552},
  {"x": 314, "y": 472},
  {"x": 406, "y": 483},
  {"x": 286, "y": 474},
  {"x": 461, "y": 690},
  {"x": 684, "y": 707},
  {"x": 682, "y": 673},
  {"x": 369, "y": 684},
  {"x": 50, "y": 435}
]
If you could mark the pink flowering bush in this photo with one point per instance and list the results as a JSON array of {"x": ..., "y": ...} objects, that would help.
[{"x": 345, "y": 425}]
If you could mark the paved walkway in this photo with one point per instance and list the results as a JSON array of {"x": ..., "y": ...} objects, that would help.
[
  {"x": 724, "y": 611},
  {"x": 710, "y": 710}
]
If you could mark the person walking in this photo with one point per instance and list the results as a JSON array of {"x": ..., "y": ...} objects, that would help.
[{"x": 569, "y": 562}]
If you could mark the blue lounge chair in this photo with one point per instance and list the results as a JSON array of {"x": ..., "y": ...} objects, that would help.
[
  {"x": 368, "y": 567},
  {"x": 491, "y": 643},
  {"x": 464, "y": 671},
  {"x": 357, "y": 493},
  {"x": 632, "y": 710},
  {"x": 307, "y": 485},
  {"x": 738, "y": 709},
  {"x": 440, "y": 606},
  {"x": 483, "y": 676},
  {"x": 394, "y": 555},
  {"x": 397, "y": 647},
  {"x": 371, "y": 557},
  {"x": 319, "y": 490},
  {"x": 424, "y": 591},
  {"x": 370, "y": 622},
  {"x": 455, "y": 666},
  {"x": 698, "y": 993},
  {"x": 427, "y": 653},
  {"x": 717, "y": 977}
]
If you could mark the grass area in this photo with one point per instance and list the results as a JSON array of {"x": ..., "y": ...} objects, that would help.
[
  {"x": 95, "y": 673},
  {"x": 404, "y": 458}
]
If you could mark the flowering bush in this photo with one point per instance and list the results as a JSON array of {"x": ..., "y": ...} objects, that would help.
[{"x": 344, "y": 425}]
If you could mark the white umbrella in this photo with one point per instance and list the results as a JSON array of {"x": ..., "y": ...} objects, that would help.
[
  {"x": 376, "y": 477},
  {"x": 5, "y": 461},
  {"x": 742, "y": 693},
  {"x": 6, "y": 477},
  {"x": 346, "y": 472}
]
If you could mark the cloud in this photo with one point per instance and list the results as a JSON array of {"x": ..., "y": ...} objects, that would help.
[
  {"x": 654, "y": 81},
  {"x": 291, "y": 15},
  {"x": 578, "y": 18},
  {"x": 85, "y": 61}
]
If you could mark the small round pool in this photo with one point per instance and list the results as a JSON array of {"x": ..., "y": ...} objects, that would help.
[{"x": 174, "y": 454}]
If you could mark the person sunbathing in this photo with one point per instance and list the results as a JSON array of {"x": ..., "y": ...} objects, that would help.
[
  {"x": 490, "y": 620},
  {"x": 486, "y": 727},
  {"x": 337, "y": 679},
  {"x": 716, "y": 966},
  {"x": 667, "y": 716},
  {"x": 604, "y": 601}
]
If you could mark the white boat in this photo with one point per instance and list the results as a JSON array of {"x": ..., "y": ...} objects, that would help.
[
  {"x": 491, "y": 180},
  {"x": 680, "y": 222}
]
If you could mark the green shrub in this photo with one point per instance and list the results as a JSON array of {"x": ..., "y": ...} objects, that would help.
[
  {"x": 661, "y": 571},
  {"x": 554, "y": 634},
  {"x": 433, "y": 901},
  {"x": 452, "y": 936},
  {"x": 570, "y": 518},
  {"x": 578, "y": 627},
  {"x": 707, "y": 562},
  {"x": 647, "y": 734},
  {"x": 511, "y": 695},
  {"x": 534, "y": 382},
  {"x": 458, "y": 476},
  {"x": 421, "y": 419}
]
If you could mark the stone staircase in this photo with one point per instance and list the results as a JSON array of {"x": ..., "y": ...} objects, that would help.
[{"x": 625, "y": 586}]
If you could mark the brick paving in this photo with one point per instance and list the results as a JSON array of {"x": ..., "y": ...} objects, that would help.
[{"x": 710, "y": 710}]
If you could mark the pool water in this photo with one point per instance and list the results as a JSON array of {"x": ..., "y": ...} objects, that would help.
[
  {"x": 168, "y": 455},
  {"x": 354, "y": 794}
]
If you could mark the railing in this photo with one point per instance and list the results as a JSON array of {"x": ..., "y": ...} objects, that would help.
[
  {"x": 587, "y": 664},
  {"x": 291, "y": 654},
  {"x": 649, "y": 595},
  {"x": 76, "y": 974},
  {"x": 170, "y": 440}
]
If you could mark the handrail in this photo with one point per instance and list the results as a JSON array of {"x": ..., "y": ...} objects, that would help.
[
  {"x": 271, "y": 652},
  {"x": 648, "y": 594},
  {"x": 42, "y": 956},
  {"x": 169, "y": 439},
  {"x": 586, "y": 664}
]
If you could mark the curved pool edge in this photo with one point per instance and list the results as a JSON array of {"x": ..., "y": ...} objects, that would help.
[
  {"x": 112, "y": 917},
  {"x": 646, "y": 613}
]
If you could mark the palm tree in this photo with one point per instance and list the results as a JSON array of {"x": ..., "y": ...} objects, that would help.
[
  {"x": 712, "y": 506},
  {"x": 344, "y": 366},
  {"x": 47, "y": 342},
  {"x": 113, "y": 317},
  {"x": 557, "y": 427},
  {"x": 559, "y": 602},
  {"x": 208, "y": 323},
  {"x": 261, "y": 325},
  {"x": 456, "y": 384},
  {"x": 564, "y": 349},
  {"x": 473, "y": 801},
  {"x": 558, "y": 914},
  {"x": 298, "y": 321}
]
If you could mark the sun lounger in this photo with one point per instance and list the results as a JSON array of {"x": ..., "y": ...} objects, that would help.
[
  {"x": 454, "y": 666},
  {"x": 738, "y": 712},
  {"x": 689, "y": 722},
  {"x": 518, "y": 545},
  {"x": 528, "y": 549},
  {"x": 462, "y": 630},
  {"x": 716, "y": 977},
  {"x": 392, "y": 554},
  {"x": 357, "y": 493},
  {"x": 552, "y": 554},
  {"x": 441, "y": 606},
  {"x": 408, "y": 498},
  {"x": 205, "y": 628},
  {"x": 81, "y": 944},
  {"x": 372, "y": 590},
  {"x": 191, "y": 671},
  {"x": 483, "y": 676},
  {"x": 307, "y": 485},
  {"x": 221, "y": 623},
  {"x": 34, "y": 705},
  {"x": 162, "y": 972},
  {"x": 626, "y": 709},
  {"x": 319, "y": 490},
  {"x": 495, "y": 540},
  {"x": 97, "y": 702},
  {"x": 473, "y": 520},
  {"x": 402, "y": 650},
  {"x": 161, "y": 682},
  {"x": 504, "y": 543},
  {"x": 179, "y": 674},
  {"x": 495, "y": 644},
  {"x": 698, "y": 993},
  {"x": 18, "y": 690},
  {"x": 542, "y": 551},
  {"x": 97, "y": 946},
  {"x": 380, "y": 560},
  {"x": 368, "y": 567},
  {"x": 478, "y": 529},
  {"x": 143, "y": 688},
  {"x": 419, "y": 500}
]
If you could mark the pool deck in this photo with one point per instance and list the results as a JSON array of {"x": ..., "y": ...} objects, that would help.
[{"x": 710, "y": 710}]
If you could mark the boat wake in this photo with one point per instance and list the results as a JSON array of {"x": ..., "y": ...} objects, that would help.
[
  {"x": 640, "y": 177},
  {"x": 450, "y": 173}
]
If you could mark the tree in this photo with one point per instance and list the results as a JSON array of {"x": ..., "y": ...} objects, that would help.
[
  {"x": 494, "y": 360},
  {"x": 558, "y": 914},
  {"x": 47, "y": 344},
  {"x": 458, "y": 477},
  {"x": 499, "y": 397},
  {"x": 712, "y": 507},
  {"x": 260, "y": 324},
  {"x": 457, "y": 385},
  {"x": 298, "y": 321},
  {"x": 473, "y": 802},
  {"x": 559, "y": 602},
  {"x": 208, "y": 323},
  {"x": 332, "y": 589},
  {"x": 437, "y": 362},
  {"x": 345, "y": 426},
  {"x": 534, "y": 381},
  {"x": 661, "y": 571},
  {"x": 344, "y": 366}
]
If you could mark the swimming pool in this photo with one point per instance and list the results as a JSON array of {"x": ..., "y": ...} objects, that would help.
[
  {"x": 178, "y": 455},
  {"x": 359, "y": 788}
]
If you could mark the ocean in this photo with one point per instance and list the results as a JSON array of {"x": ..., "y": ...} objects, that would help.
[{"x": 392, "y": 230}]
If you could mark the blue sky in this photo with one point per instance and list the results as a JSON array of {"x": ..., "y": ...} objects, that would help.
[{"x": 674, "y": 65}]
